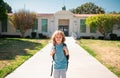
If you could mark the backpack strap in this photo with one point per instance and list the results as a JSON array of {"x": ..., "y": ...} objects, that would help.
[
  {"x": 64, "y": 44},
  {"x": 52, "y": 62},
  {"x": 51, "y": 69},
  {"x": 67, "y": 56},
  {"x": 54, "y": 54}
]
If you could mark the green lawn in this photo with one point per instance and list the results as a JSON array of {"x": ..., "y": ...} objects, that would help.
[
  {"x": 15, "y": 51},
  {"x": 106, "y": 51}
]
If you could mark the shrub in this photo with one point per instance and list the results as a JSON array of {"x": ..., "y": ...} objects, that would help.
[
  {"x": 27, "y": 36},
  {"x": 87, "y": 37},
  {"x": 33, "y": 34},
  {"x": 10, "y": 36},
  {"x": 113, "y": 36},
  {"x": 41, "y": 36},
  {"x": 118, "y": 38},
  {"x": 101, "y": 37}
]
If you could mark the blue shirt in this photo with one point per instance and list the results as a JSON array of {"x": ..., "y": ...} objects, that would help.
[{"x": 60, "y": 61}]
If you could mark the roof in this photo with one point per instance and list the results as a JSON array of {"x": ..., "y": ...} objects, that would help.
[
  {"x": 83, "y": 15},
  {"x": 44, "y": 14},
  {"x": 9, "y": 14},
  {"x": 52, "y": 14}
]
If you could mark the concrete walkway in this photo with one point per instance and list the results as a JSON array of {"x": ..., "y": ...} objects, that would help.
[{"x": 81, "y": 64}]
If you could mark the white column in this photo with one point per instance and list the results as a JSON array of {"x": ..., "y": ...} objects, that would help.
[{"x": 39, "y": 25}]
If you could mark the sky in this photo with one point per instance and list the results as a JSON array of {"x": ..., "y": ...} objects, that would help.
[{"x": 52, "y": 6}]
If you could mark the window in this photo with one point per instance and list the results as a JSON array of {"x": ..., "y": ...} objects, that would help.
[
  {"x": 92, "y": 29},
  {"x": 82, "y": 26},
  {"x": 35, "y": 27},
  {"x": 44, "y": 25},
  {"x": 4, "y": 25}
]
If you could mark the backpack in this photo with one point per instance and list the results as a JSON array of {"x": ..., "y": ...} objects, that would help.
[{"x": 67, "y": 57}]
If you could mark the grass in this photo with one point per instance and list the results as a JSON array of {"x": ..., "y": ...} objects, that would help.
[
  {"x": 106, "y": 51},
  {"x": 15, "y": 51}
]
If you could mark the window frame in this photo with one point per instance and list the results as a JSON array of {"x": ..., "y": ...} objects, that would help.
[
  {"x": 44, "y": 26},
  {"x": 82, "y": 26}
]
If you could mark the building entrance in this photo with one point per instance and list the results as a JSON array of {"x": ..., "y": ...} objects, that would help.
[
  {"x": 65, "y": 29},
  {"x": 64, "y": 26}
]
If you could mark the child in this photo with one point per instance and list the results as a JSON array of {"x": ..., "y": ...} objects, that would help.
[{"x": 59, "y": 52}]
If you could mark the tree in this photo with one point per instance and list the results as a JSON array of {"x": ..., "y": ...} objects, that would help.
[
  {"x": 118, "y": 21},
  {"x": 23, "y": 20},
  {"x": 104, "y": 23},
  {"x": 3, "y": 11},
  {"x": 8, "y": 8},
  {"x": 114, "y": 12},
  {"x": 88, "y": 8}
]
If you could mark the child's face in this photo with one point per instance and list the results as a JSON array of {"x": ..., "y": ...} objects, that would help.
[{"x": 58, "y": 39}]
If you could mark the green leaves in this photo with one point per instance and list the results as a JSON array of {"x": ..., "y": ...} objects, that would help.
[
  {"x": 105, "y": 23},
  {"x": 3, "y": 11},
  {"x": 88, "y": 8}
]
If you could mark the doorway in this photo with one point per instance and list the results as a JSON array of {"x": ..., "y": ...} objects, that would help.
[
  {"x": 64, "y": 26},
  {"x": 65, "y": 29}
]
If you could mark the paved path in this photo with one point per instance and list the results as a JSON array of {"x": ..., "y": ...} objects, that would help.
[{"x": 81, "y": 64}]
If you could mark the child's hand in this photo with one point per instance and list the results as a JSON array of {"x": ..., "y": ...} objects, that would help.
[
  {"x": 52, "y": 52},
  {"x": 66, "y": 50}
]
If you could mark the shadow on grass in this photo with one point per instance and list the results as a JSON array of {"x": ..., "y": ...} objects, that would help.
[{"x": 11, "y": 48}]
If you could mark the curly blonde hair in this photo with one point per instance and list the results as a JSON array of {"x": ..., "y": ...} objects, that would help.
[{"x": 57, "y": 32}]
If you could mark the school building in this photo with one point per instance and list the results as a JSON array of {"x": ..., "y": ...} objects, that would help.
[{"x": 71, "y": 24}]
